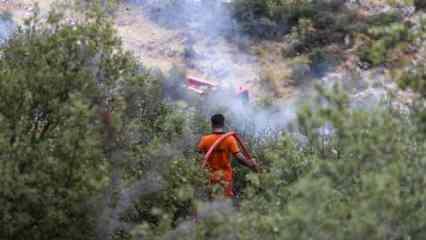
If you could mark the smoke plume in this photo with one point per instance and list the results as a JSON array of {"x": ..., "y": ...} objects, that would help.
[{"x": 216, "y": 49}]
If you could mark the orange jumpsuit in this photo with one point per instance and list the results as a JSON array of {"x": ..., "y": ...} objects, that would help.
[{"x": 219, "y": 164}]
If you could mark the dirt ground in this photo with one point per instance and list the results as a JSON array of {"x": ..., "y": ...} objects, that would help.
[
  {"x": 155, "y": 46},
  {"x": 163, "y": 48}
]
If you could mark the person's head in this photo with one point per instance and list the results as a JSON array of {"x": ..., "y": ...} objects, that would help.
[{"x": 218, "y": 121}]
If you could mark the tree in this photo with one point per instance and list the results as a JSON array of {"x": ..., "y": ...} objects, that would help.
[
  {"x": 90, "y": 149},
  {"x": 355, "y": 174},
  {"x": 65, "y": 92}
]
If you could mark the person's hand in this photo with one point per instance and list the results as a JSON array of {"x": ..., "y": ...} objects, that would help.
[{"x": 255, "y": 166}]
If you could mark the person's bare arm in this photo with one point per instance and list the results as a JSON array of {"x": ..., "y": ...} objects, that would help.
[
  {"x": 201, "y": 147},
  {"x": 250, "y": 163}
]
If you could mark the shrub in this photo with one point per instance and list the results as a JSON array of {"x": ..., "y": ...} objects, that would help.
[
  {"x": 67, "y": 173},
  {"x": 82, "y": 127},
  {"x": 273, "y": 80},
  {"x": 360, "y": 179},
  {"x": 384, "y": 39},
  {"x": 301, "y": 70},
  {"x": 52, "y": 157},
  {"x": 312, "y": 23},
  {"x": 319, "y": 61},
  {"x": 419, "y": 4}
]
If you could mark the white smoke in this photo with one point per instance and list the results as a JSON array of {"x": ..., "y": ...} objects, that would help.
[
  {"x": 217, "y": 40},
  {"x": 215, "y": 51},
  {"x": 7, "y": 27}
]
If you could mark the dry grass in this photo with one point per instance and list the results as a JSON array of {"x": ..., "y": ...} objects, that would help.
[
  {"x": 276, "y": 72},
  {"x": 276, "y": 80},
  {"x": 153, "y": 45},
  {"x": 269, "y": 75}
]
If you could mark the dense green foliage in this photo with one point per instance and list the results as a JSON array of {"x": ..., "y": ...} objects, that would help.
[
  {"x": 63, "y": 160},
  {"x": 328, "y": 20},
  {"x": 387, "y": 41},
  {"x": 315, "y": 28},
  {"x": 419, "y": 4},
  {"x": 69, "y": 171},
  {"x": 52, "y": 157},
  {"x": 362, "y": 180}
]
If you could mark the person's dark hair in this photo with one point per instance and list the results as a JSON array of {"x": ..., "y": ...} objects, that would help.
[{"x": 218, "y": 121}]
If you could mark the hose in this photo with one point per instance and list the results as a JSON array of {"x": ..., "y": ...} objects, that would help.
[{"x": 219, "y": 141}]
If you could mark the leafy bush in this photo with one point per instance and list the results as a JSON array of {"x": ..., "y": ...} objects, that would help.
[
  {"x": 360, "y": 179},
  {"x": 384, "y": 40},
  {"x": 319, "y": 61},
  {"x": 91, "y": 150},
  {"x": 419, "y": 4},
  {"x": 84, "y": 127},
  {"x": 312, "y": 23},
  {"x": 52, "y": 156},
  {"x": 270, "y": 18}
]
